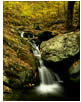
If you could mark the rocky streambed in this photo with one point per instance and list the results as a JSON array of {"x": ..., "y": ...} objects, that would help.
[{"x": 60, "y": 53}]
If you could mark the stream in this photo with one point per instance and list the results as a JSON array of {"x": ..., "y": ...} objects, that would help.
[
  {"x": 49, "y": 80},
  {"x": 51, "y": 87}
]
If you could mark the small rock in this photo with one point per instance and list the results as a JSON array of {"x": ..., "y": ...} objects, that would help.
[
  {"x": 5, "y": 79},
  {"x": 7, "y": 89},
  {"x": 74, "y": 71}
]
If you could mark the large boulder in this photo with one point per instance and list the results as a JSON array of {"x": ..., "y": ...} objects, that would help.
[
  {"x": 60, "y": 47},
  {"x": 61, "y": 53}
]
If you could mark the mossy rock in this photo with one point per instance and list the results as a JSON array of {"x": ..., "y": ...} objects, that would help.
[
  {"x": 60, "y": 47},
  {"x": 74, "y": 72}
]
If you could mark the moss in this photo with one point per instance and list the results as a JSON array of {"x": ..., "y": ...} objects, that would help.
[
  {"x": 23, "y": 40},
  {"x": 18, "y": 62},
  {"x": 10, "y": 38}
]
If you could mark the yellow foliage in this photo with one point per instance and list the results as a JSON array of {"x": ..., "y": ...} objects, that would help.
[{"x": 33, "y": 11}]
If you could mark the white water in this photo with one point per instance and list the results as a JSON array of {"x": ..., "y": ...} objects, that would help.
[
  {"x": 48, "y": 79},
  {"x": 22, "y": 34}
]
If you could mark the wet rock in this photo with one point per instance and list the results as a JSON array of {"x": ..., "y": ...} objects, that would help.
[
  {"x": 45, "y": 35},
  {"x": 28, "y": 34},
  {"x": 61, "y": 47},
  {"x": 74, "y": 71}
]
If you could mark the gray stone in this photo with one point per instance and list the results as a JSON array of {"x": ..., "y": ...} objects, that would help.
[{"x": 60, "y": 47}]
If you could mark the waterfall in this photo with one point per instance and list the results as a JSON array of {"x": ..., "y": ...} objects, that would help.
[
  {"x": 48, "y": 78},
  {"x": 45, "y": 74},
  {"x": 22, "y": 34}
]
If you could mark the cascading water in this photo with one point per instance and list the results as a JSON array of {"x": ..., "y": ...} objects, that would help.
[
  {"x": 48, "y": 79},
  {"x": 22, "y": 34}
]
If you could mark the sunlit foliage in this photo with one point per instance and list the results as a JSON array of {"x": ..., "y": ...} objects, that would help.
[{"x": 37, "y": 11}]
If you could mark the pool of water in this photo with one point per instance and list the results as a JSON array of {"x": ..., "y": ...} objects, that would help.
[{"x": 60, "y": 92}]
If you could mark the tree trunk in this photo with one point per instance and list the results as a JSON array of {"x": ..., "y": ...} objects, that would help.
[
  {"x": 69, "y": 18},
  {"x": 64, "y": 9},
  {"x": 58, "y": 10},
  {"x": 78, "y": 26}
]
